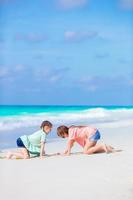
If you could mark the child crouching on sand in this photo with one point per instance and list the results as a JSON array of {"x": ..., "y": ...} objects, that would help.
[
  {"x": 32, "y": 144},
  {"x": 86, "y": 136}
]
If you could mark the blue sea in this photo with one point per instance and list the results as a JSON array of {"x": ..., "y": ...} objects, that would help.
[{"x": 19, "y": 120}]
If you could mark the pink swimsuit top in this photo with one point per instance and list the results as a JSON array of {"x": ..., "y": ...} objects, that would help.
[{"x": 81, "y": 133}]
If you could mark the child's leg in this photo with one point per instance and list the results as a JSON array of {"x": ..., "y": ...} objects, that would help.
[
  {"x": 100, "y": 148},
  {"x": 88, "y": 145},
  {"x": 110, "y": 149},
  {"x": 22, "y": 154},
  {"x": 25, "y": 153},
  {"x": 11, "y": 155}
]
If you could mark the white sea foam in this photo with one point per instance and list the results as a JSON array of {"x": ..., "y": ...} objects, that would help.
[{"x": 123, "y": 117}]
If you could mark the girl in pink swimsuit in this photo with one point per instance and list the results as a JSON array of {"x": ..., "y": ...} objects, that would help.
[{"x": 86, "y": 136}]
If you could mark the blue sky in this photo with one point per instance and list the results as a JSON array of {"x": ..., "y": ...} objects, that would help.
[{"x": 66, "y": 52}]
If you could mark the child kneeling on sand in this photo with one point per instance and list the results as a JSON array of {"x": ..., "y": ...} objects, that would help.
[
  {"x": 86, "y": 136},
  {"x": 32, "y": 144}
]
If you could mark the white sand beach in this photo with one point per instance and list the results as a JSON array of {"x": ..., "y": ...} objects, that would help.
[{"x": 76, "y": 177}]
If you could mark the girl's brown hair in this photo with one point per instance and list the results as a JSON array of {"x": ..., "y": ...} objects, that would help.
[
  {"x": 46, "y": 123},
  {"x": 61, "y": 130}
]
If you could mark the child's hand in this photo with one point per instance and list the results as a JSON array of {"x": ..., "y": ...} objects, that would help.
[
  {"x": 42, "y": 157},
  {"x": 58, "y": 154},
  {"x": 65, "y": 154},
  {"x": 62, "y": 154}
]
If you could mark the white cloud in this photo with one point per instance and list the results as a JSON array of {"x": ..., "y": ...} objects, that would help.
[
  {"x": 70, "y": 34},
  {"x": 11, "y": 72},
  {"x": 131, "y": 83},
  {"x": 41, "y": 73},
  {"x": 73, "y": 36},
  {"x": 31, "y": 37},
  {"x": 55, "y": 78},
  {"x": 50, "y": 75},
  {"x": 3, "y": 72},
  {"x": 19, "y": 67},
  {"x": 86, "y": 79},
  {"x": 93, "y": 83},
  {"x": 92, "y": 88},
  {"x": 7, "y": 1},
  {"x": 126, "y": 4},
  {"x": 69, "y": 4}
]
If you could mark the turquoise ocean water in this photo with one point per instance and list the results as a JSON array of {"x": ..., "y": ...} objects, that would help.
[
  {"x": 19, "y": 120},
  {"x": 24, "y": 110}
]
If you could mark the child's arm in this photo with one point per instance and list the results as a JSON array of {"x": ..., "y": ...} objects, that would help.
[
  {"x": 42, "y": 152},
  {"x": 69, "y": 146}
]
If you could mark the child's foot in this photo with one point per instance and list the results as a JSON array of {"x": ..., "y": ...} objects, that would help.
[
  {"x": 9, "y": 155},
  {"x": 105, "y": 148},
  {"x": 110, "y": 149}
]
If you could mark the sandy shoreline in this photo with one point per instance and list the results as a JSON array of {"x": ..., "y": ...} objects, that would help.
[{"x": 80, "y": 177}]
